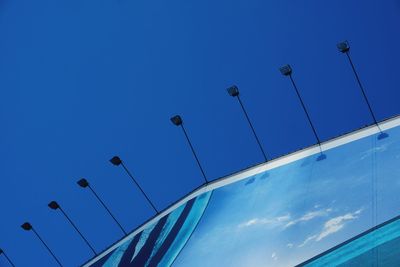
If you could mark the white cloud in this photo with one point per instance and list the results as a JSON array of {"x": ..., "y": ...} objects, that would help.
[
  {"x": 371, "y": 151},
  {"x": 336, "y": 224},
  {"x": 328, "y": 230},
  {"x": 308, "y": 239},
  {"x": 290, "y": 245},
  {"x": 332, "y": 226},
  {"x": 274, "y": 256},
  {"x": 250, "y": 222},
  {"x": 265, "y": 221},
  {"x": 309, "y": 216}
]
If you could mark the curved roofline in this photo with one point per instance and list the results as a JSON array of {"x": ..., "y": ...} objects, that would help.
[{"x": 366, "y": 131}]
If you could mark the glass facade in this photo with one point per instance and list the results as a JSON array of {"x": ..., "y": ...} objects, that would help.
[{"x": 340, "y": 211}]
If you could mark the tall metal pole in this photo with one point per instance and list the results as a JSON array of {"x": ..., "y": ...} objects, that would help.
[
  {"x": 117, "y": 161},
  {"x": 84, "y": 183},
  {"x": 234, "y": 92},
  {"x": 344, "y": 47},
  {"x": 27, "y": 227},
  {"x": 287, "y": 71},
  {"x": 194, "y": 154},
  {"x": 177, "y": 120},
  {"x": 305, "y": 110},
  {"x": 54, "y": 205},
  {"x": 106, "y": 208},
  {"x": 7, "y": 258},
  {"x": 51, "y": 252}
]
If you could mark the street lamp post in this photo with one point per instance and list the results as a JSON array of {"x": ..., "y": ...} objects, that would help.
[
  {"x": 7, "y": 258},
  {"x": 177, "y": 121},
  {"x": 344, "y": 47},
  {"x": 85, "y": 184},
  {"x": 55, "y": 206},
  {"x": 116, "y": 161},
  {"x": 286, "y": 70},
  {"x": 234, "y": 92},
  {"x": 28, "y": 227}
]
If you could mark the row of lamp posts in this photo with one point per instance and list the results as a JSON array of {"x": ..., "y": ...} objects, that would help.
[{"x": 177, "y": 120}]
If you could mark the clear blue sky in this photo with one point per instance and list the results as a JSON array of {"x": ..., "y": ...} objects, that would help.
[{"x": 82, "y": 81}]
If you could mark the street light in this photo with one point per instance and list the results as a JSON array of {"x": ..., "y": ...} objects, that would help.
[
  {"x": 286, "y": 70},
  {"x": 85, "y": 184},
  {"x": 55, "y": 206},
  {"x": 177, "y": 121},
  {"x": 116, "y": 161},
  {"x": 7, "y": 258},
  {"x": 344, "y": 47},
  {"x": 234, "y": 92},
  {"x": 28, "y": 227}
]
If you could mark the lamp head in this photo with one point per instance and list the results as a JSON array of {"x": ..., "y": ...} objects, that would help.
[
  {"x": 233, "y": 91},
  {"x": 343, "y": 46},
  {"x": 83, "y": 183},
  {"x": 177, "y": 120},
  {"x": 116, "y": 161},
  {"x": 26, "y": 226},
  {"x": 286, "y": 70},
  {"x": 53, "y": 205}
]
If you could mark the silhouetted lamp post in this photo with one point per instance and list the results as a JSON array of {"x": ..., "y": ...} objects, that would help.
[
  {"x": 234, "y": 92},
  {"x": 28, "y": 227},
  {"x": 7, "y": 258},
  {"x": 85, "y": 184},
  {"x": 344, "y": 48},
  {"x": 177, "y": 121},
  {"x": 55, "y": 206},
  {"x": 116, "y": 161},
  {"x": 286, "y": 70}
]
